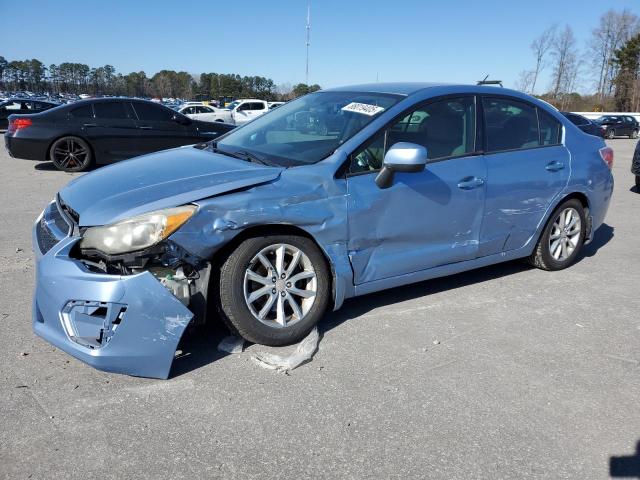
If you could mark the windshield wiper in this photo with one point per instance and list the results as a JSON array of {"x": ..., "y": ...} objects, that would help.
[
  {"x": 252, "y": 157},
  {"x": 241, "y": 155}
]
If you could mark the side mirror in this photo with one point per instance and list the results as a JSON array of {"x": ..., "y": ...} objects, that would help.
[{"x": 402, "y": 157}]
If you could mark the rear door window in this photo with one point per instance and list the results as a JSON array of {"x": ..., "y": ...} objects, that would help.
[
  {"x": 152, "y": 113},
  {"x": 510, "y": 124},
  {"x": 110, "y": 110}
]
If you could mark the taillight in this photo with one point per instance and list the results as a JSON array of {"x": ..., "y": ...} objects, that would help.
[
  {"x": 18, "y": 124},
  {"x": 606, "y": 153}
]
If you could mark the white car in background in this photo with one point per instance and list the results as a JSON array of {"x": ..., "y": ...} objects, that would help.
[
  {"x": 206, "y": 113},
  {"x": 246, "y": 109}
]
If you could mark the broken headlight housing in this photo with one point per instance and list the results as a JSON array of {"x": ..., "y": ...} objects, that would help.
[{"x": 136, "y": 233}]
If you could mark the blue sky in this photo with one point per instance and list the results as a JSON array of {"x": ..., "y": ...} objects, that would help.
[{"x": 351, "y": 41}]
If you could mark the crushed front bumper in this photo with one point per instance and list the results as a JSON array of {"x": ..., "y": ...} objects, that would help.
[{"x": 123, "y": 324}]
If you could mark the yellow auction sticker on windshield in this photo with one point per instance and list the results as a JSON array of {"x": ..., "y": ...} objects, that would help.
[{"x": 363, "y": 108}]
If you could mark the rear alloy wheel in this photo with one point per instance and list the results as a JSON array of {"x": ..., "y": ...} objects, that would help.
[
  {"x": 562, "y": 238},
  {"x": 634, "y": 134},
  {"x": 611, "y": 133},
  {"x": 273, "y": 290},
  {"x": 71, "y": 154}
]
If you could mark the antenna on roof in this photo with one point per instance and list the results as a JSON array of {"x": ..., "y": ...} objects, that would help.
[
  {"x": 308, "y": 41},
  {"x": 485, "y": 81}
]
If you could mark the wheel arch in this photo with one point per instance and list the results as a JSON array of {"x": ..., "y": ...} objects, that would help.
[
  {"x": 48, "y": 154},
  {"x": 221, "y": 255}
]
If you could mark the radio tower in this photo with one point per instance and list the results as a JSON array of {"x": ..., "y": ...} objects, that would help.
[{"x": 308, "y": 40}]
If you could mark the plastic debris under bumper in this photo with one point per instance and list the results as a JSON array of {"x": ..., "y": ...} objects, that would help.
[{"x": 122, "y": 324}]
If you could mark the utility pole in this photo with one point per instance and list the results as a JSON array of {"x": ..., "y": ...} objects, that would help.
[{"x": 308, "y": 40}]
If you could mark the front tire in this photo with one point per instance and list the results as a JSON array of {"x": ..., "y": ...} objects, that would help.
[
  {"x": 634, "y": 134},
  {"x": 611, "y": 133},
  {"x": 71, "y": 154},
  {"x": 637, "y": 183},
  {"x": 562, "y": 238},
  {"x": 274, "y": 289}
]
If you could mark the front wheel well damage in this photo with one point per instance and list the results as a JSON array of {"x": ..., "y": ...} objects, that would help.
[{"x": 221, "y": 255}]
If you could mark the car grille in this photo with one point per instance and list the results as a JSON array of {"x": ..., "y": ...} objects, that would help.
[{"x": 51, "y": 228}]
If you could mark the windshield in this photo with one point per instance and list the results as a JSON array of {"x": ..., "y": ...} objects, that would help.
[
  {"x": 232, "y": 105},
  {"x": 307, "y": 130}
]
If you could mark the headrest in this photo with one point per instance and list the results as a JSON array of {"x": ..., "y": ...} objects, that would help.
[{"x": 443, "y": 128}]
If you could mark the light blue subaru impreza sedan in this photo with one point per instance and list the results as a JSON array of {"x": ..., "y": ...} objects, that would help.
[{"x": 336, "y": 194}]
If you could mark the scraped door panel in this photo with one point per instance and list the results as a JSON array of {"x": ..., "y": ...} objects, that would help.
[{"x": 424, "y": 220}]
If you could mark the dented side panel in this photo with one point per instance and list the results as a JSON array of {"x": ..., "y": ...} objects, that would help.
[
  {"x": 309, "y": 198},
  {"x": 147, "y": 334},
  {"x": 422, "y": 221}
]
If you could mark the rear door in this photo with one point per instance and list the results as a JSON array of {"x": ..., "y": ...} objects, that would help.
[
  {"x": 157, "y": 128},
  {"x": 527, "y": 167},
  {"x": 112, "y": 132}
]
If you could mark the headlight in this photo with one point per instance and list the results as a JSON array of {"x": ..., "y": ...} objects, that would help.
[{"x": 136, "y": 233}]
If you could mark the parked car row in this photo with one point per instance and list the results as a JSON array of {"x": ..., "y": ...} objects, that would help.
[
  {"x": 21, "y": 105},
  {"x": 99, "y": 131},
  {"x": 238, "y": 112}
]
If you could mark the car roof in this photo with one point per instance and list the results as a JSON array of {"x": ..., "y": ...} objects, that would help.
[{"x": 412, "y": 88}]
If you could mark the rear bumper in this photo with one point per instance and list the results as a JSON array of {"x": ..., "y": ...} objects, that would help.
[
  {"x": 26, "y": 148},
  {"x": 122, "y": 324}
]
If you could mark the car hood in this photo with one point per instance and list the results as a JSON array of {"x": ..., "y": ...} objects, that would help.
[{"x": 158, "y": 180}]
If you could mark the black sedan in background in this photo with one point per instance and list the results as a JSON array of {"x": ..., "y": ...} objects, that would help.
[
  {"x": 635, "y": 166},
  {"x": 99, "y": 131},
  {"x": 21, "y": 105},
  {"x": 619, "y": 126},
  {"x": 584, "y": 124}
]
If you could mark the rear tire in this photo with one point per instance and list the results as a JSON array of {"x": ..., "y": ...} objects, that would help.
[
  {"x": 71, "y": 154},
  {"x": 270, "y": 301},
  {"x": 637, "y": 183},
  {"x": 562, "y": 237}
]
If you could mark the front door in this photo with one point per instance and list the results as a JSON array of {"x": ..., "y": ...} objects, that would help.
[
  {"x": 527, "y": 167},
  {"x": 424, "y": 219},
  {"x": 157, "y": 128}
]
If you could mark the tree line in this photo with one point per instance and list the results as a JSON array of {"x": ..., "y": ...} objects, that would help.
[
  {"x": 78, "y": 78},
  {"x": 607, "y": 66}
]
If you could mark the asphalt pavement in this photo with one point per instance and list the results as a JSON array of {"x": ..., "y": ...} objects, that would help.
[{"x": 502, "y": 372}]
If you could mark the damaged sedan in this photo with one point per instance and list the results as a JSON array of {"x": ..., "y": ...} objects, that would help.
[{"x": 337, "y": 194}]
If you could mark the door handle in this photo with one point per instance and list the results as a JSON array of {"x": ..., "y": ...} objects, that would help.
[
  {"x": 145, "y": 127},
  {"x": 469, "y": 183},
  {"x": 554, "y": 166},
  {"x": 89, "y": 125}
]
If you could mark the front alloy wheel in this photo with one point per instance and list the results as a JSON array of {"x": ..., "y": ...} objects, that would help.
[
  {"x": 273, "y": 289},
  {"x": 280, "y": 285},
  {"x": 611, "y": 133}
]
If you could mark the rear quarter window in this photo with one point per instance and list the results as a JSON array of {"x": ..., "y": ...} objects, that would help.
[
  {"x": 550, "y": 129},
  {"x": 83, "y": 112}
]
